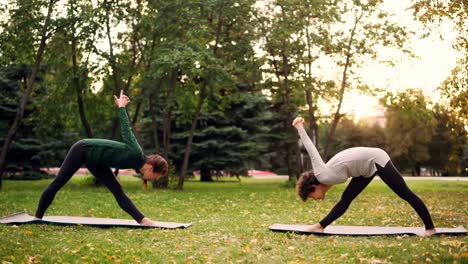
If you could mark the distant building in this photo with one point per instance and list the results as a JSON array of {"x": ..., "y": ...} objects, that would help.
[{"x": 377, "y": 119}]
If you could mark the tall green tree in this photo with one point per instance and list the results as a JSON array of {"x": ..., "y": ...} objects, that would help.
[
  {"x": 277, "y": 25},
  {"x": 28, "y": 152},
  {"x": 70, "y": 66},
  {"x": 366, "y": 30},
  {"x": 317, "y": 18},
  {"x": 172, "y": 50},
  {"x": 234, "y": 133},
  {"x": 448, "y": 141},
  {"x": 224, "y": 24},
  {"x": 410, "y": 127},
  {"x": 44, "y": 30}
]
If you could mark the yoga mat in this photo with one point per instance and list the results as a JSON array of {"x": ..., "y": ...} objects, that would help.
[
  {"x": 24, "y": 218},
  {"x": 337, "y": 230}
]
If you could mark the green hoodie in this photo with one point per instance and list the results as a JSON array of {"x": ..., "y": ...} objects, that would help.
[{"x": 115, "y": 154}]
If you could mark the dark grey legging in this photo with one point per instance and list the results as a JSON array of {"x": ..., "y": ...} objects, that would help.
[
  {"x": 390, "y": 175},
  {"x": 75, "y": 159}
]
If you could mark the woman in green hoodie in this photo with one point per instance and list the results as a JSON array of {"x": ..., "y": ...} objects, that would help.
[{"x": 99, "y": 156}]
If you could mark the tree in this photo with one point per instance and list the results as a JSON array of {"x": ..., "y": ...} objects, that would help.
[
  {"x": 464, "y": 161},
  {"x": 44, "y": 34},
  {"x": 317, "y": 18},
  {"x": 448, "y": 141},
  {"x": 369, "y": 31},
  {"x": 70, "y": 67},
  {"x": 409, "y": 130},
  {"x": 278, "y": 24},
  {"x": 223, "y": 27},
  {"x": 234, "y": 133},
  {"x": 432, "y": 13},
  {"x": 28, "y": 152}
]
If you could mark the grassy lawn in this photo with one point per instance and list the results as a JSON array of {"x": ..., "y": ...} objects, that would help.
[{"x": 230, "y": 224}]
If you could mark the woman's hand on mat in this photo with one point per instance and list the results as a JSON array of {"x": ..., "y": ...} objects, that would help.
[
  {"x": 147, "y": 222},
  {"x": 315, "y": 228},
  {"x": 122, "y": 100},
  {"x": 429, "y": 232},
  {"x": 298, "y": 122}
]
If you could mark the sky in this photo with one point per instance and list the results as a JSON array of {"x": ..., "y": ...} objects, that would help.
[{"x": 433, "y": 64}]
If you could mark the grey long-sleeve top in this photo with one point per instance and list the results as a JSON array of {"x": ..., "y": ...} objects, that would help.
[{"x": 352, "y": 162}]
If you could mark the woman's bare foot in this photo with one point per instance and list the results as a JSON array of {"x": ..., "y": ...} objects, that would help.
[
  {"x": 147, "y": 222},
  {"x": 429, "y": 232},
  {"x": 315, "y": 228}
]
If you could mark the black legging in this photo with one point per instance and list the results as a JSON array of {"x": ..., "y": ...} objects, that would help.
[
  {"x": 390, "y": 175},
  {"x": 73, "y": 161}
]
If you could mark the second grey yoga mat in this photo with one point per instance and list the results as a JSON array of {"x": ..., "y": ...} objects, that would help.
[{"x": 366, "y": 230}]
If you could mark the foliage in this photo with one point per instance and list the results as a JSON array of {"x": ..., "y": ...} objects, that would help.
[
  {"x": 410, "y": 127},
  {"x": 350, "y": 134},
  {"x": 455, "y": 89},
  {"x": 448, "y": 141},
  {"x": 177, "y": 60},
  {"x": 232, "y": 226},
  {"x": 436, "y": 11},
  {"x": 28, "y": 153},
  {"x": 432, "y": 13},
  {"x": 234, "y": 133},
  {"x": 464, "y": 161}
]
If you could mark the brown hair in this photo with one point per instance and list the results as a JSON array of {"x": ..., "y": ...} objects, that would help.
[
  {"x": 158, "y": 162},
  {"x": 305, "y": 185}
]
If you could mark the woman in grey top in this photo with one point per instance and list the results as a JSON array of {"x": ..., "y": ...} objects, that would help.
[{"x": 361, "y": 164}]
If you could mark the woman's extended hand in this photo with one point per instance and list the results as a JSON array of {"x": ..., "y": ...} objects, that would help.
[
  {"x": 122, "y": 101},
  {"x": 298, "y": 122}
]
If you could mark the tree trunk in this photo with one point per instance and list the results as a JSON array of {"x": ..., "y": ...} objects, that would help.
[
  {"x": 205, "y": 174},
  {"x": 312, "y": 119},
  {"x": 161, "y": 183},
  {"x": 170, "y": 102},
  {"x": 78, "y": 88},
  {"x": 289, "y": 162},
  {"x": 417, "y": 170},
  {"x": 300, "y": 164},
  {"x": 154, "y": 126},
  {"x": 167, "y": 120},
  {"x": 337, "y": 115},
  {"x": 113, "y": 65},
  {"x": 137, "y": 112},
  {"x": 308, "y": 92},
  {"x": 288, "y": 108},
  {"x": 188, "y": 146},
  {"x": 201, "y": 99},
  {"x": 30, "y": 84}
]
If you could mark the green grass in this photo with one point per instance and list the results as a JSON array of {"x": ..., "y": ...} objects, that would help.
[{"x": 230, "y": 224}]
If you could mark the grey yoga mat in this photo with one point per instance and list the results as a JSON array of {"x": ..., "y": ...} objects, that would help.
[
  {"x": 336, "y": 230},
  {"x": 24, "y": 218}
]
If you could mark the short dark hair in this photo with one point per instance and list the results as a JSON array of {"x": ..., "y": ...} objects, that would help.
[
  {"x": 305, "y": 185},
  {"x": 158, "y": 162}
]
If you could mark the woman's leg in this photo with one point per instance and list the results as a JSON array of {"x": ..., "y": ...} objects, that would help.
[
  {"x": 390, "y": 175},
  {"x": 107, "y": 177},
  {"x": 353, "y": 189},
  {"x": 73, "y": 161}
]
